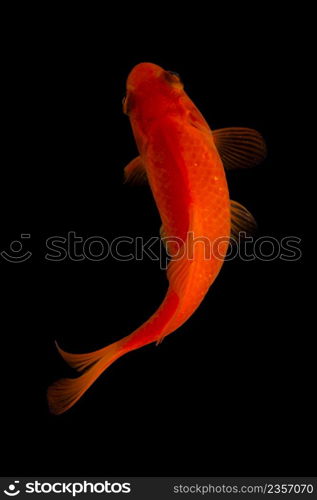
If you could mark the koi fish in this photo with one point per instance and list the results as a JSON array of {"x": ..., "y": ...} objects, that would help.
[{"x": 184, "y": 163}]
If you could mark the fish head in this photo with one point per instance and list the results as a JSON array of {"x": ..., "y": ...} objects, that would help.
[{"x": 151, "y": 92}]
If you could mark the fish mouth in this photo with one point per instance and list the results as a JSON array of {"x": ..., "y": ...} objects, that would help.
[{"x": 141, "y": 72}]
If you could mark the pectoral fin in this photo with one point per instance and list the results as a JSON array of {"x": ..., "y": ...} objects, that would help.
[
  {"x": 241, "y": 220},
  {"x": 135, "y": 172},
  {"x": 239, "y": 147}
]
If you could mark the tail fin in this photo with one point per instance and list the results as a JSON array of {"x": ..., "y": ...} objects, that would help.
[
  {"x": 82, "y": 361},
  {"x": 64, "y": 393}
]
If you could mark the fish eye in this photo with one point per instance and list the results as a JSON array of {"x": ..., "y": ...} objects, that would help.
[
  {"x": 173, "y": 77},
  {"x": 124, "y": 104},
  {"x": 127, "y": 103},
  {"x": 174, "y": 74}
]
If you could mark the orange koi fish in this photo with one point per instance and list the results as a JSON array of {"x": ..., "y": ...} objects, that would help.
[{"x": 183, "y": 162}]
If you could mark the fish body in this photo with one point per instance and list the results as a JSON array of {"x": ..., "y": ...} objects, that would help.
[
  {"x": 180, "y": 157},
  {"x": 187, "y": 179}
]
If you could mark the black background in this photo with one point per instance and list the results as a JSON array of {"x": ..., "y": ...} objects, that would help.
[{"x": 230, "y": 392}]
